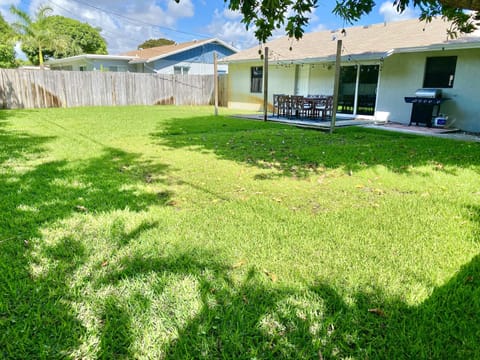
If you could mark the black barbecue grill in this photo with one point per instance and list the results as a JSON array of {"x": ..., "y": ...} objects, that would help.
[{"x": 425, "y": 106}]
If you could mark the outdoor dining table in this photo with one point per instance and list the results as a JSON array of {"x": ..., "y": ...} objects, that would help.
[{"x": 296, "y": 106}]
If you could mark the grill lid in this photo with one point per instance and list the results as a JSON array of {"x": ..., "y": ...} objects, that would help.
[{"x": 429, "y": 93}]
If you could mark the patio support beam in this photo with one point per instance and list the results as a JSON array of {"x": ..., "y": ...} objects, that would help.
[
  {"x": 336, "y": 85},
  {"x": 265, "y": 85}
]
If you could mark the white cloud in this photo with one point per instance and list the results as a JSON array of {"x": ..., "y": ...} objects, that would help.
[
  {"x": 319, "y": 27},
  {"x": 5, "y": 9},
  {"x": 139, "y": 20},
  {"x": 390, "y": 14},
  {"x": 183, "y": 9},
  {"x": 226, "y": 25}
]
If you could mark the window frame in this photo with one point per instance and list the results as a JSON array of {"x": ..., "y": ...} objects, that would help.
[
  {"x": 256, "y": 81},
  {"x": 181, "y": 70},
  {"x": 440, "y": 72}
]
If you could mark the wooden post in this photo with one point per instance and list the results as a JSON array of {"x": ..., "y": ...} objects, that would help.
[
  {"x": 265, "y": 84},
  {"x": 336, "y": 85},
  {"x": 215, "y": 81}
]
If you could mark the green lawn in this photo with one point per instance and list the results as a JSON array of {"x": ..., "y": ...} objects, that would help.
[{"x": 164, "y": 232}]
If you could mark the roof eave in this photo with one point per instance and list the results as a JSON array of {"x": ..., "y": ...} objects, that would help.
[
  {"x": 89, "y": 56},
  {"x": 324, "y": 59},
  {"x": 438, "y": 47}
]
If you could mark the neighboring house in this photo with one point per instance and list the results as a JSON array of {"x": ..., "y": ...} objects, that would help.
[
  {"x": 194, "y": 57},
  {"x": 380, "y": 65},
  {"x": 92, "y": 62}
]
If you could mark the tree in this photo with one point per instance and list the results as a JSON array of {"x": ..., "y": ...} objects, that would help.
[
  {"x": 7, "y": 50},
  {"x": 81, "y": 38},
  {"x": 34, "y": 33},
  {"x": 154, "y": 43},
  {"x": 268, "y": 15}
]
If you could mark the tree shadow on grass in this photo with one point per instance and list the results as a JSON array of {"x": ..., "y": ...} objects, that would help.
[
  {"x": 256, "y": 318},
  {"x": 116, "y": 335},
  {"x": 36, "y": 318},
  {"x": 299, "y": 152}
]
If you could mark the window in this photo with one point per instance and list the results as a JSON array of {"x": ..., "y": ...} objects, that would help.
[
  {"x": 113, "y": 68},
  {"x": 256, "y": 79},
  {"x": 83, "y": 68},
  {"x": 440, "y": 72},
  {"x": 181, "y": 70}
]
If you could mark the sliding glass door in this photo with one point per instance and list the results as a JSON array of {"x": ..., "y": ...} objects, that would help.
[
  {"x": 367, "y": 89},
  {"x": 358, "y": 89},
  {"x": 346, "y": 91}
]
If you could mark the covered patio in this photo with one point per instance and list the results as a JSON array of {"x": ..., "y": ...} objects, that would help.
[{"x": 311, "y": 123}]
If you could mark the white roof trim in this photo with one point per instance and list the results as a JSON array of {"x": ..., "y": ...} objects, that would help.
[
  {"x": 326, "y": 59},
  {"x": 89, "y": 56},
  {"x": 460, "y": 45}
]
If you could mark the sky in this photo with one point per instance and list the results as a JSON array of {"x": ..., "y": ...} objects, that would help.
[{"x": 126, "y": 24}]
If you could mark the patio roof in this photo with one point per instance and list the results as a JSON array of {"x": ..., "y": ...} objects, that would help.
[{"x": 363, "y": 42}]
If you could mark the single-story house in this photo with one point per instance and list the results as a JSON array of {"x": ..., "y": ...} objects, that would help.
[
  {"x": 193, "y": 57},
  {"x": 380, "y": 65},
  {"x": 92, "y": 62}
]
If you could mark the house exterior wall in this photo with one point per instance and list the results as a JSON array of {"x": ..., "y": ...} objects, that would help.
[
  {"x": 321, "y": 79},
  {"x": 281, "y": 80},
  {"x": 92, "y": 65},
  {"x": 302, "y": 79},
  {"x": 402, "y": 75},
  {"x": 198, "y": 60}
]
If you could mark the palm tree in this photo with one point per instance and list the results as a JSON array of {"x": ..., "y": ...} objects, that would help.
[{"x": 34, "y": 33}]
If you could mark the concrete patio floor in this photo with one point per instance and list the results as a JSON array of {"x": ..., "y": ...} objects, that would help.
[
  {"x": 310, "y": 123},
  {"x": 369, "y": 123}
]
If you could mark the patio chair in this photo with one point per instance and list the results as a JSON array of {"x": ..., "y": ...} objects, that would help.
[
  {"x": 296, "y": 106},
  {"x": 308, "y": 107},
  {"x": 329, "y": 106},
  {"x": 324, "y": 107},
  {"x": 276, "y": 104},
  {"x": 320, "y": 107},
  {"x": 284, "y": 106}
]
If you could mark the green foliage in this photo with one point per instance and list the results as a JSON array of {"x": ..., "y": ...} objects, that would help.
[
  {"x": 7, "y": 56},
  {"x": 168, "y": 233},
  {"x": 47, "y": 36},
  {"x": 35, "y": 34},
  {"x": 155, "y": 42},
  {"x": 7, "y": 51},
  {"x": 6, "y": 31},
  {"x": 82, "y": 38}
]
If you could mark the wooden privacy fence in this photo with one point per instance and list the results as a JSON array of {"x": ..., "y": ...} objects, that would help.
[{"x": 43, "y": 88}]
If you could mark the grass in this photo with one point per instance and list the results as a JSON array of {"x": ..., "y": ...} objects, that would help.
[{"x": 164, "y": 232}]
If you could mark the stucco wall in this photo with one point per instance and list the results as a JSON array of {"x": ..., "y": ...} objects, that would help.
[
  {"x": 321, "y": 79},
  {"x": 281, "y": 80},
  {"x": 402, "y": 75}
]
